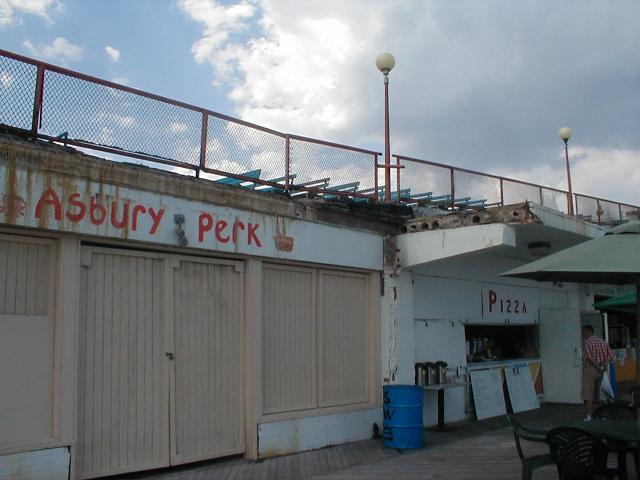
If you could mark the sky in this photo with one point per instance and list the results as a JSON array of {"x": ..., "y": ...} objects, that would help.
[{"x": 484, "y": 85}]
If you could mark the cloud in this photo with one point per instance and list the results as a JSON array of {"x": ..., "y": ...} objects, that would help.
[
  {"x": 482, "y": 85},
  {"x": 178, "y": 127},
  {"x": 121, "y": 80},
  {"x": 10, "y": 10},
  {"x": 600, "y": 172},
  {"x": 60, "y": 50},
  {"x": 6, "y": 79},
  {"x": 112, "y": 53},
  {"x": 219, "y": 22}
]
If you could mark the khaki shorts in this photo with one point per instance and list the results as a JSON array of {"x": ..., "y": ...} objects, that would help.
[{"x": 591, "y": 381}]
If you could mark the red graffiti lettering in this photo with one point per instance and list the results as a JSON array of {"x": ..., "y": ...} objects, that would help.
[
  {"x": 49, "y": 197},
  {"x": 238, "y": 225},
  {"x": 134, "y": 220},
  {"x": 97, "y": 212},
  {"x": 252, "y": 234},
  {"x": 82, "y": 208},
  {"x": 220, "y": 226},
  {"x": 125, "y": 215},
  {"x": 155, "y": 218},
  {"x": 205, "y": 224}
]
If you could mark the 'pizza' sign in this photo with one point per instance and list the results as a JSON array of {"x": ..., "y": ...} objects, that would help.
[{"x": 509, "y": 304}]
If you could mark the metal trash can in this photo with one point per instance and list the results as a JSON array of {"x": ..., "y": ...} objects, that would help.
[{"x": 402, "y": 409}]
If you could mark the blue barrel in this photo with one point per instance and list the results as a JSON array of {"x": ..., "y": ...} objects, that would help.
[{"x": 402, "y": 411}]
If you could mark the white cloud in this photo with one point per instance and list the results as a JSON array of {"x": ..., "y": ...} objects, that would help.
[
  {"x": 6, "y": 79},
  {"x": 177, "y": 127},
  {"x": 112, "y": 53},
  {"x": 124, "y": 121},
  {"x": 476, "y": 84},
  {"x": 10, "y": 10},
  {"x": 121, "y": 80},
  {"x": 600, "y": 172},
  {"x": 60, "y": 50}
]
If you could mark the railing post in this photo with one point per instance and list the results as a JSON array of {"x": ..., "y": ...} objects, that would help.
[
  {"x": 541, "y": 196},
  {"x": 204, "y": 129},
  {"x": 36, "y": 120},
  {"x": 287, "y": 161},
  {"x": 375, "y": 177},
  {"x": 453, "y": 187},
  {"x": 598, "y": 209},
  {"x": 577, "y": 210},
  {"x": 501, "y": 193},
  {"x": 398, "y": 177},
  {"x": 620, "y": 211}
]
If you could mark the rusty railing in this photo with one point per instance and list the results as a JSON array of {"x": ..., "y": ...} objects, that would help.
[{"x": 61, "y": 105}]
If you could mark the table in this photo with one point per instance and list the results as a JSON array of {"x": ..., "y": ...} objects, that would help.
[
  {"x": 618, "y": 431},
  {"x": 440, "y": 388}
]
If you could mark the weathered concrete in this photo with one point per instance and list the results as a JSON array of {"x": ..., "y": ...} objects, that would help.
[{"x": 55, "y": 159}]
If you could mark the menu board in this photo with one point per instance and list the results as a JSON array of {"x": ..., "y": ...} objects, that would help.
[
  {"x": 521, "y": 390},
  {"x": 487, "y": 393}
]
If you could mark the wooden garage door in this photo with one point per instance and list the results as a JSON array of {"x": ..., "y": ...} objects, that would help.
[
  {"x": 27, "y": 338},
  {"x": 208, "y": 420},
  {"x": 161, "y": 361},
  {"x": 123, "y": 387}
]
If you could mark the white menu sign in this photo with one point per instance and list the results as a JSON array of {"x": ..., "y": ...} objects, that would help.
[
  {"x": 488, "y": 397},
  {"x": 522, "y": 393}
]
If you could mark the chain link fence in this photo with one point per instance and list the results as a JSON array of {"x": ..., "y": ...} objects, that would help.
[
  {"x": 57, "y": 104},
  {"x": 17, "y": 92}
]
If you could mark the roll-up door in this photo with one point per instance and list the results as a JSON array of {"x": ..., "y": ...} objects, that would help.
[
  {"x": 123, "y": 386},
  {"x": 317, "y": 338},
  {"x": 208, "y": 310},
  {"x": 343, "y": 338},
  {"x": 27, "y": 339},
  {"x": 288, "y": 354}
]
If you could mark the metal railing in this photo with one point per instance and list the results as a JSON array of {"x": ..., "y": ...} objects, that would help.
[
  {"x": 455, "y": 186},
  {"x": 61, "y": 105},
  {"x": 56, "y": 104},
  {"x": 600, "y": 210}
]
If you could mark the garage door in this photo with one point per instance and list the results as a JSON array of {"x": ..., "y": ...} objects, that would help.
[
  {"x": 123, "y": 378},
  {"x": 161, "y": 361},
  {"x": 27, "y": 358},
  {"x": 209, "y": 332}
]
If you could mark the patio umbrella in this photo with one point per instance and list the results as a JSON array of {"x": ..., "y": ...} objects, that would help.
[
  {"x": 611, "y": 259},
  {"x": 624, "y": 303}
]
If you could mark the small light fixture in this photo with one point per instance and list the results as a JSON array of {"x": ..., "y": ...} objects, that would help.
[{"x": 539, "y": 249}]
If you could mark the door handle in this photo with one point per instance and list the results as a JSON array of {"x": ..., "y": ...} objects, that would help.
[{"x": 170, "y": 355}]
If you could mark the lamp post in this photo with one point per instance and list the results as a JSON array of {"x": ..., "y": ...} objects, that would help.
[
  {"x": 385, "y": 62},
  {"x": 565, "y": 135}
]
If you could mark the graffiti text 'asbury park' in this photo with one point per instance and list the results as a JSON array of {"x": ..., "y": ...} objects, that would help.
[{"x": 128, "y": 215}]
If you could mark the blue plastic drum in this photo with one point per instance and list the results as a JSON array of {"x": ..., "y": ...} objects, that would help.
[{"x": 402, "y": 409}]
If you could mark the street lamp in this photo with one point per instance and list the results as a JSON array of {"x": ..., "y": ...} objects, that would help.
[
  {"x": 565, "y": 135},
  {"x": 385, "y": 62}
]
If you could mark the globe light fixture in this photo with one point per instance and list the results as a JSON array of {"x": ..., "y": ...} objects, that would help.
[{"x": 385, "y": 63}]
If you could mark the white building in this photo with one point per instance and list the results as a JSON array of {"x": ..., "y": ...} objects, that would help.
[
  {"x": 149, "y": 319},
  {"x": 450, "y": 298}
]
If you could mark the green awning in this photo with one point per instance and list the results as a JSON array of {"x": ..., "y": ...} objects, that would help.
[{"x": 625, "y": 303}]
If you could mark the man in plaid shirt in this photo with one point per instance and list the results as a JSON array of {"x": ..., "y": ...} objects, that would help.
[{"x": 596, "y": 356}]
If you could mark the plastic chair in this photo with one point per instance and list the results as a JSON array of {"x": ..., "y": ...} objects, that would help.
[
  {"x": 616, "y": 411},
  {"x": 578, "y": 454},
  {"x": 529, "y": 464}
]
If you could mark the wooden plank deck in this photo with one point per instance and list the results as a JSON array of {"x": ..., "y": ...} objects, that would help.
[{"x": 466, "y": 450}]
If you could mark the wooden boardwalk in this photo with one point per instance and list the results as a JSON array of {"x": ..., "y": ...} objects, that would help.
[{"x": 466, "y": 450}]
